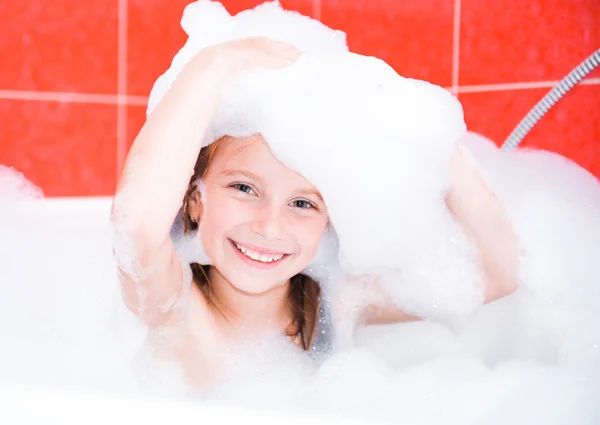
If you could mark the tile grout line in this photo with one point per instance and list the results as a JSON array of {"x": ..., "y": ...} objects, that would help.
[
  {"x": 109, "y": 99},
  {"x": 122, "y": 100},
  {"x": 455, "y": 46},
  {"x": 482, "y": 88},
  {"x": 316, "y": 9},
  {"x": 113, "y": 99}
]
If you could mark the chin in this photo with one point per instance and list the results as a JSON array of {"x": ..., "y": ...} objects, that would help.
[{"x": 255, "y": 286}]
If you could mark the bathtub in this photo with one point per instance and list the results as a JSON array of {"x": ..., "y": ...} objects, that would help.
[
  {"x": 36, "y": 405},
  {"x": 66, "y": 351}
]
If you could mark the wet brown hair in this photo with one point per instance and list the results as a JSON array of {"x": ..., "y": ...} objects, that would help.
[{"x": 304, "y": 293}]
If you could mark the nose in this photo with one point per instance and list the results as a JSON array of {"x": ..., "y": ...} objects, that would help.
[{"x": 269, "y": 222}]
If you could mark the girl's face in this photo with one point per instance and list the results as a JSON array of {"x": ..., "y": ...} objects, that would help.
[{"x": 261, "y": 222}]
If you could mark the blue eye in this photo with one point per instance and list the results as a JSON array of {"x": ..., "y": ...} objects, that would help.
[
  {"x": 243, "y": 188},
  {"x": 301, "y": 203}
]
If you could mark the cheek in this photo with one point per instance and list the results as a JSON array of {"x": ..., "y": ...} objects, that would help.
[
  {"x": 221, "y": 215},
  {"x": 309, "y": 235}
]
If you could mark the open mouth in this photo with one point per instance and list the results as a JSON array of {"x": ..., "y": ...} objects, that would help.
[{"x": 257, "y": 257}]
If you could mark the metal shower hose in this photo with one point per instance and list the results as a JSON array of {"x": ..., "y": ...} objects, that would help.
[{"x": 549, "y": 100}]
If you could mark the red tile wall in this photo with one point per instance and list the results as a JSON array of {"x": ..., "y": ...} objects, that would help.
[{"x": 74, "y": 75}]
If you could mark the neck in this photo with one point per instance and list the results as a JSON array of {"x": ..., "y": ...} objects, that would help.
[{"x": 242, "y": 313}]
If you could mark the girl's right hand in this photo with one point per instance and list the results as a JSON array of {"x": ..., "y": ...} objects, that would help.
[{"x": 242, "y": 55}]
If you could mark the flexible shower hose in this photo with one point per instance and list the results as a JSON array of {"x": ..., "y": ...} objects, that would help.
[{"x": 549, "y": 100}]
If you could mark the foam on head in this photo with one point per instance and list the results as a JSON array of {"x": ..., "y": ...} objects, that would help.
[{"x": 376, "y": 145}]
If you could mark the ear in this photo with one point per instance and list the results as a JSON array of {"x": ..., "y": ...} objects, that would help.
[{"x": 195, "y": 209}]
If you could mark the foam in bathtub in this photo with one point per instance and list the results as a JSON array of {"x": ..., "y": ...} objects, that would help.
[
  {"x": 14, "y": 185},
  {"x": 377, "y": 146}
]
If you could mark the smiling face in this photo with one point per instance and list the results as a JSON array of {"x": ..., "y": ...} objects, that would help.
[{"x": 261, "y": 222}]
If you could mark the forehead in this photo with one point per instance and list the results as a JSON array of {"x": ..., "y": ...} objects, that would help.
[
  {"x": 237, "y": 150},
  {"x": 252, "y": 154}
]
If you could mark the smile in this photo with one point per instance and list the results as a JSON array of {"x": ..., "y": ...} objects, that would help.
[{"x": 257, "y": 256}]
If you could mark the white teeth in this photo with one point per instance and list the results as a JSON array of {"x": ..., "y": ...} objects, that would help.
[{"x": 257, "y": 256}]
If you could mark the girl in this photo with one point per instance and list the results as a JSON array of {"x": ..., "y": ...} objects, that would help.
[{"x": 260, "y": 223}]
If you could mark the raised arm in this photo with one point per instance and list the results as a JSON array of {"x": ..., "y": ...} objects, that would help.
[
  {"x": 159, "y": 165},
  {"x": 485, "y": 221}
]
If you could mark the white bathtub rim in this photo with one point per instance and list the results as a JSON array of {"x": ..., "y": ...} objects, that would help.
[{"x": 27, "y": 405}]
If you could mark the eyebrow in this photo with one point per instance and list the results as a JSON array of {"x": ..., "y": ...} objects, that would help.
[
  {"x": 230, "y": 173},
  {"x": 312, "y": 192}
]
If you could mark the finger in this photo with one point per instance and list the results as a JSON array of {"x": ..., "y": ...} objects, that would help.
[
  {"x": 282, "y": 46},
  {"x": 292, "y": 54}
]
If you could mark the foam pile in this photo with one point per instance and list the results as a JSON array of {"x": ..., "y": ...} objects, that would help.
[
  {"x": 14, "y": 186},
  {"x": 372, "y": 141}
]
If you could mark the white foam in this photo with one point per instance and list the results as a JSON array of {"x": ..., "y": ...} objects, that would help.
[
  {"x": 533, "y": 357},
  {"x": 529, "y": 358},
  {"x": 14, "y": 185},
  {"x": 347, "y": 123}
]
